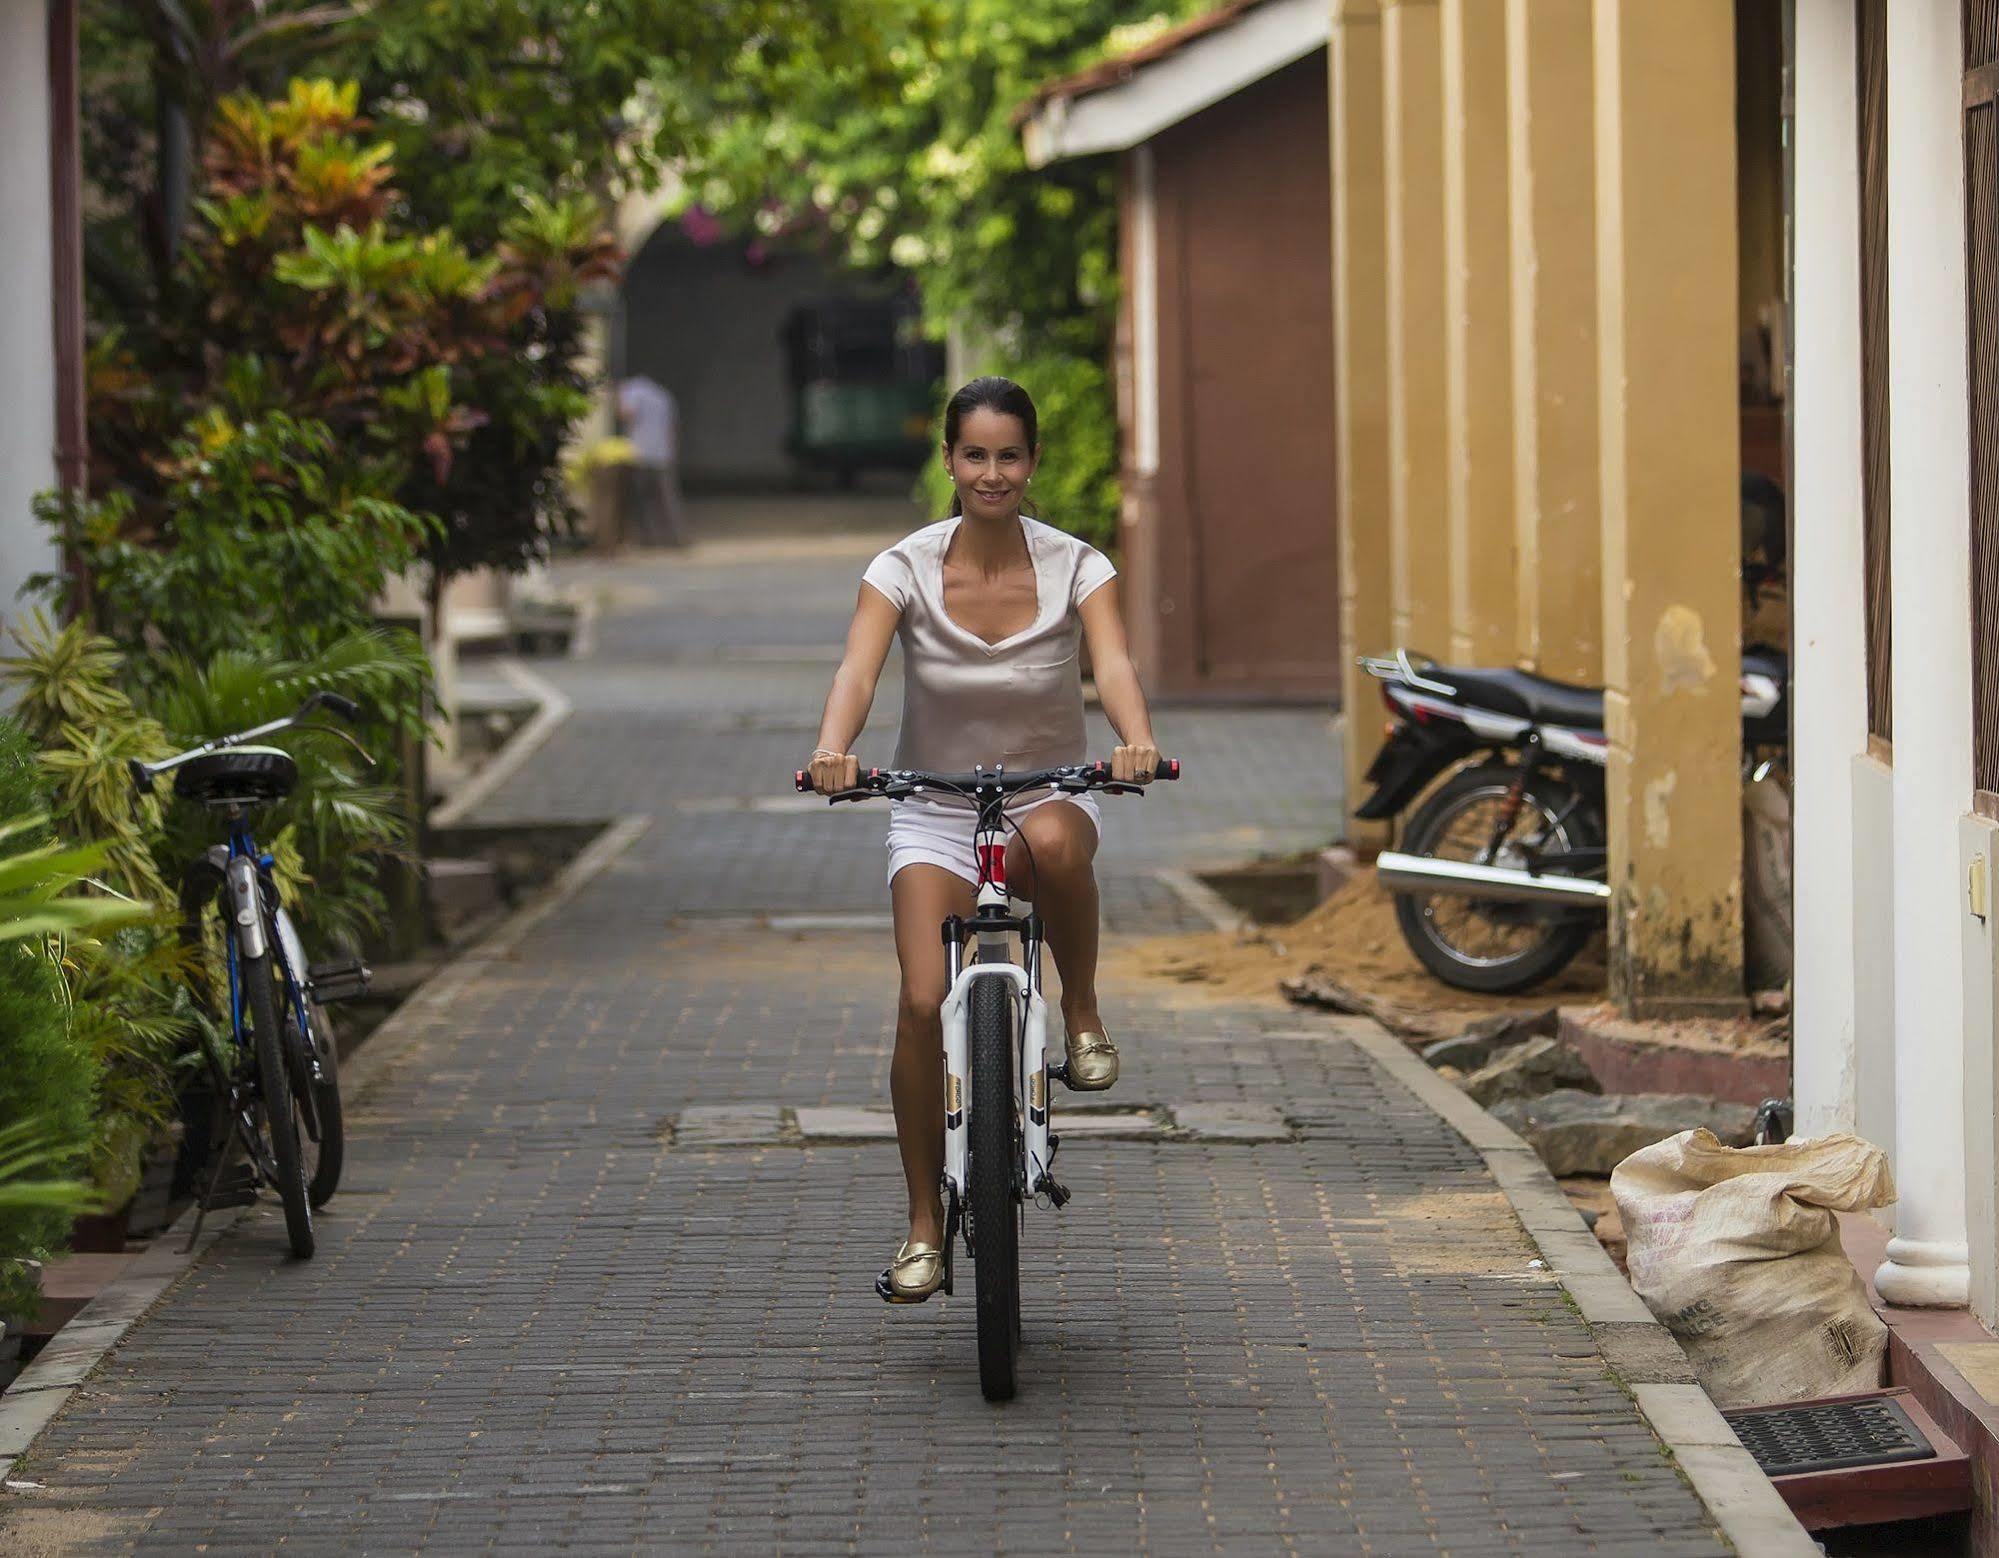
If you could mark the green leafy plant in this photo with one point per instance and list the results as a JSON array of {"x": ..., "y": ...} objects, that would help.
[
  {"x": 33, "y": 1172},
  {"x": 262, "y": 539},
  {"x": 48, "y": 1073}
]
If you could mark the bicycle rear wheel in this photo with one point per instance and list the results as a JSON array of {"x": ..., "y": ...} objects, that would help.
[
  {"x": 281, "y": 1110},
  {"x": 995, "y": 1197}
]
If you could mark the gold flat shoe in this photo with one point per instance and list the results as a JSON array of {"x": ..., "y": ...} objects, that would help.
[
  {"x": 1092, "y": 1065},
  {"x": 916, "y": 1272}
]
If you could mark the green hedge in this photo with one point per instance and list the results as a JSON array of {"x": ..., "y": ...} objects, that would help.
[{"x": 45, "y": 1074}]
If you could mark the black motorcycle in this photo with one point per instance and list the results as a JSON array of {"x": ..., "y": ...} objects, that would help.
[{"x": 1500, "y": 880}]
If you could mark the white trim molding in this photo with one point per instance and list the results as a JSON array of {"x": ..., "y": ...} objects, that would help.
[
  {"x": 1144, "y": 282},
  {"x": 1829, "y": 613},
  {"x": 1928, "y": 1260},
  {"x": 1161, "y": 93}
]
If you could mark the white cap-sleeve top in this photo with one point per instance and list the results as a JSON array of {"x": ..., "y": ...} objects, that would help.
[{"x": 967, "y": 703}]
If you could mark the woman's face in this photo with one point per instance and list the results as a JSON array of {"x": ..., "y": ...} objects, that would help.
[{"x": 990, "y": 463}]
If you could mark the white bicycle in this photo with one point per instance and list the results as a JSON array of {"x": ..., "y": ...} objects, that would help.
[{"x": 998, "y": 1148}]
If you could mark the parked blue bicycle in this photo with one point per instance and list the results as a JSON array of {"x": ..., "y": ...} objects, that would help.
[{"x": 279, "y": 1086}]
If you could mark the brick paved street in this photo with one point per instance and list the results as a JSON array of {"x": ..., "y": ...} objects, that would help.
[{"x": 539, "y": 1319}]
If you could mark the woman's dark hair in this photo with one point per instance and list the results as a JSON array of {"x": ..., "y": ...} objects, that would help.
[{"x": 991, "y": 393}]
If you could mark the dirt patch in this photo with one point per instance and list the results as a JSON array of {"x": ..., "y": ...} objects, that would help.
[
  {"x": 1354, "y": 938},
  {"x": 34, "y": 1531}
]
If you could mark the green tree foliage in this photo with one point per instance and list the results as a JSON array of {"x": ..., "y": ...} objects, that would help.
[
  {"x": 932, "y": 180},
  {"x": 338, "y": 366},
  {"x": 507, "y": 125}
]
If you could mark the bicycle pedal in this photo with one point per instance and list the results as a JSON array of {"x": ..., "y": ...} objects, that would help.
[
  {"x": 331, "y": 982},
  {"x": 888, "y": 1295},
  {"x": 240, "y": 1176},
  {"x": 1058, "y": 1071}
]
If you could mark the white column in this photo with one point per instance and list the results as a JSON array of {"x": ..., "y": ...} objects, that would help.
[
  {"x": 1928, "y": 1260},
  {"x": 1144, "y": 284},
  {"x": 27, "y": 322},
  {"x": 1828, "y": 568}
]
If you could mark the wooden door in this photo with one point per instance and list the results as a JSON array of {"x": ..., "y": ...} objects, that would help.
[{"x": 1246, "y": 335}]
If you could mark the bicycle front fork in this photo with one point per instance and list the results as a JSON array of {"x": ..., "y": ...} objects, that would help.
[{"x": 1030, "y": 1029}]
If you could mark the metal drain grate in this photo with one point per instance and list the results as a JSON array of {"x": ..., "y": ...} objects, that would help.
[{"x": 1829, "y": 1435}]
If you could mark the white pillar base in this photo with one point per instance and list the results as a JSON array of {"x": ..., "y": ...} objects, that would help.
[{"x": 1925, "y": 1274}]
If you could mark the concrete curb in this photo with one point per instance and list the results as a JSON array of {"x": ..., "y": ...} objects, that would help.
[
  {"x": 416, "y": 1018},
  {"x": 511, "y": 758},
  {"x": 41, "y": 1389},
  {"x": 1203, "y": 900},
  {"x": 1752, "y": 1514}
]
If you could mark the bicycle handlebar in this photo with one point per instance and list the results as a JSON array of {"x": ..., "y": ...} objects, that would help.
[
  {"x": 143, "y": 774},
  {"x": 897, "y": 782}
]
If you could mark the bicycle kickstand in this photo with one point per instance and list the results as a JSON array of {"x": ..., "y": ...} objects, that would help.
[{"x": 207, "y": 1195}]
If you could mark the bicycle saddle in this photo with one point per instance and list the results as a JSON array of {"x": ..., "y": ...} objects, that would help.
[{"x": 246, "y": 775}]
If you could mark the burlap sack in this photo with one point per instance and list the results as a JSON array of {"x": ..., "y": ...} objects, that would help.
[{"x": 1737, "y": 1252}]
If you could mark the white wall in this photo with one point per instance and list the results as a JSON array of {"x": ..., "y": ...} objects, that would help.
[
  {"x": 27, "y": 320},
  {"x": 1828, "y": 609},
  {"x": 1928, "y": 1259}
]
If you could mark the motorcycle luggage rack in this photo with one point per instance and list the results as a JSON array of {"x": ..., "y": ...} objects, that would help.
[{"x": 1402, "y": 669}]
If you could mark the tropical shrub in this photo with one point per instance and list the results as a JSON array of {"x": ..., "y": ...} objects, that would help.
[
  {"x": 262, "y": 540},
  {"x": 48, "y": 1073},
  {"x": 326, "y": 378},
  {"x": 45, "y": 1076}
]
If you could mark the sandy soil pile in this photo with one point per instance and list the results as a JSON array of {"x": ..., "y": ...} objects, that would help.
[{"x": 1352, "y": 937}]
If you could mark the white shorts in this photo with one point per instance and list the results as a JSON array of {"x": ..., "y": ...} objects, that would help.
[{"x": 925, "y": 833}]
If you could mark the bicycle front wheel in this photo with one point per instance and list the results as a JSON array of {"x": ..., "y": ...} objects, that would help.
[
  {"x": 332, "y": 1154},
  {"x": 281, "y": 1111},
  {"x": 995, "y": 1196}
]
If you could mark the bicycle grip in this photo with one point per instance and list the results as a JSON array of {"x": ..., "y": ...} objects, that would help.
[
  {"x": 1169, "y": 768},
  {"x": 346, "y": 708},
  {"x": 802, "y": 779},
  {"x": 141, "y": 776}
]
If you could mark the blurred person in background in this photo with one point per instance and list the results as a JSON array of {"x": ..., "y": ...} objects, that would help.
[{"x": 652, "y": 422}]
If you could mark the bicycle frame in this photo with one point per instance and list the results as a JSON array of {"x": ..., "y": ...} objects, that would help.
[
  {"x": 1030, "y": 1013},
  {"x": 990, "y": 790}
]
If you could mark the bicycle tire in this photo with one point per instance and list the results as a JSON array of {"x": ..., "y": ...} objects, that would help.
[
  {"x": 259, "y": 976},
  {"x": 326, "y": 1104},
  {"x": 995, "y": 1202}
]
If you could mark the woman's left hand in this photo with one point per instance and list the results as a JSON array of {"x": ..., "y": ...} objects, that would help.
[{"x": 1135, "y": 764}]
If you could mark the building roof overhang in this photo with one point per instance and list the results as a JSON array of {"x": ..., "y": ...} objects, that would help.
[{"x": 1123, "y": 102}]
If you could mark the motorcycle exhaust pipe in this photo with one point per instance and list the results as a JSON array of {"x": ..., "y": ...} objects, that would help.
[{"x": 1401, "y": 873}]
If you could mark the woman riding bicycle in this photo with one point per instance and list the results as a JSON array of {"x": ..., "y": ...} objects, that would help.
[{"x": 990, "y": 607}]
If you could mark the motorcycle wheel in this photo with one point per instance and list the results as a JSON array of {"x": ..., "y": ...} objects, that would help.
[{"x": 1490, "y": 947}]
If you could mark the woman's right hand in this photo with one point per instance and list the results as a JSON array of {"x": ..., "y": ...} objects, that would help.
[{"x": 834, "y": 771}]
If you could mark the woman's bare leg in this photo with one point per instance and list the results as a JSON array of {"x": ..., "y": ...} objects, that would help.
[
  {"x": 1062, "y": 881},
  {"x": 923, "y": 896}
]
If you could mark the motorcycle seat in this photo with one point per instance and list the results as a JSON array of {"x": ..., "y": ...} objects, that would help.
[{"x": 1525, "y": 695}]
